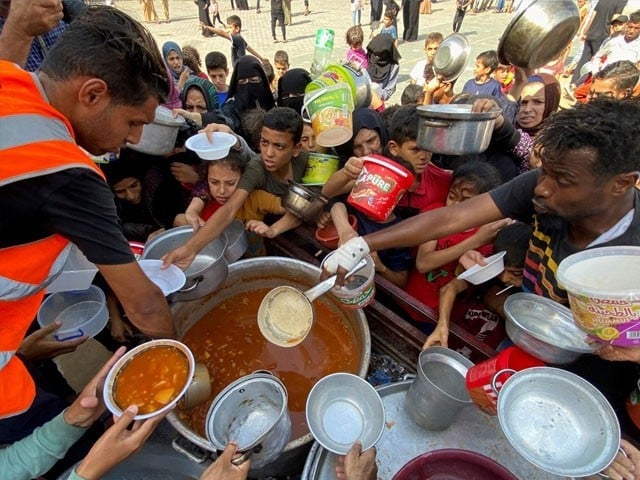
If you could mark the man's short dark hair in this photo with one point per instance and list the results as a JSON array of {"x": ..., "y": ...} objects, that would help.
[
  {"x": 489, "y": 59},
  {"x": 284, "y": 119},
  {"x": 412, "y": 93},
  {"x": 235, "y": 21},
  {"x": 604, "y": 126},
  {"x": 404, "y": 124},
  {"x": 105, "y": 43},
  {"x": 215, "y": 60},
  {"x": 634, "y": 17},
  {"x": 624, "y": 74}
]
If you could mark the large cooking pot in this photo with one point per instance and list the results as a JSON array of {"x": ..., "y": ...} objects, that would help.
[
  {"x": 538, "y": 33},
  {"x": 159, "y": 137},
  {"x": 268, "y": 272},
  {"x": 208, "y": 270},
  {"x": 455, "y": 129}
]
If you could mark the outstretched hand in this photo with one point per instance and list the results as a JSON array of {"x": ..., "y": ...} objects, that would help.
[
  {"x": 357, "y": 465},
  {"x": 39, "y": 346}
]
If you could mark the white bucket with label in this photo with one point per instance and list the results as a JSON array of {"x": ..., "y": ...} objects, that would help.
[{"x": 359, "y": 289}]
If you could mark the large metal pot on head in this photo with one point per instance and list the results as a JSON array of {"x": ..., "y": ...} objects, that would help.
[
  {"x": 455, "y": 129},
  {"x": 538, "y": 33},
  {"x": 264, "y": 273},
  {"x": 206, "y": 272}
]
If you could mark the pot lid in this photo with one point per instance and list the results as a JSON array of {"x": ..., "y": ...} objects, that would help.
[{"x": 456, "y": 112}]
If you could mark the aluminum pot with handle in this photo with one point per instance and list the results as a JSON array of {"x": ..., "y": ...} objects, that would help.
[
  {"x": 455, "y": 129},
  {"x": 253, "y": 412},
  {"x": 558, "y": 421},
  {"x": 207, "y": 271},
  {"x": 159, "y": 137}
]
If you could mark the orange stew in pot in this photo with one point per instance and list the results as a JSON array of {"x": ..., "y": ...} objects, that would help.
[{"x": 152, "y": 379}]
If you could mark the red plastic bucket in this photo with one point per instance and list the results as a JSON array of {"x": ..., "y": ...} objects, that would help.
[
  {"x": 479, "y": 377},
  {"x": 380, "y": 186}
]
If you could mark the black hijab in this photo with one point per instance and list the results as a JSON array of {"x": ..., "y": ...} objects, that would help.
[
  {"x": 364, "y": 118},
  {"x": 382, "y": 55},
  {"x": 291, "y": 88},
  {"x": 250, "y": 95}
]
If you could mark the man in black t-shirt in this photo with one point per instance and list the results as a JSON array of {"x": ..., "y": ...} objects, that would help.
[
  {"x": 583, "y": 196},
  {"x": 239, "y": 46}
]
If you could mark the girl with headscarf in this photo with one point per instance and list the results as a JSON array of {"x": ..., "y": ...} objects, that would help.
[
  {"x": 370, "y": 135},
  {"x": 383, "y": 68},
  {"x": 540, "y": 97},
  {"x": 248, "y": 89},
  {"x": 291, "y": 88},
  {"x": 174, "y": 60}
]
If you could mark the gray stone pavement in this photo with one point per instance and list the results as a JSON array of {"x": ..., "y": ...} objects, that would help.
[{"x": 483, "y": 31}]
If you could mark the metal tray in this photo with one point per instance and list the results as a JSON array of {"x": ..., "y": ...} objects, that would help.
[{"x": 403, "y": 440}]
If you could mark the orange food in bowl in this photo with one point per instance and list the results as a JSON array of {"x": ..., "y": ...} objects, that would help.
[{"x": 152, "y": 379}]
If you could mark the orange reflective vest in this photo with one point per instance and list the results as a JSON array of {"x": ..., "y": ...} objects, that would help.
[{"x": 35, "y": 140}]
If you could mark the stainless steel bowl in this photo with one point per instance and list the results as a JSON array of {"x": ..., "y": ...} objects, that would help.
[
  {"x": 303, "y": 202},
  {"x": 538, "y": 33},
  {"x": 342, "y": 408},
  {"x": 237, "y": 242},
  {"x": 545, "y": 329},
  {"x": 558, "y": 421},
  {"x": 452, "y": 57}
]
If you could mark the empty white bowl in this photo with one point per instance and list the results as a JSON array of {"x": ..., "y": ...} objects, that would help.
[
  {"x": 342, "y": 408},
  {"x": 215, "y": 150},
  {"x": 169, "y": 280},
  {"x": 479, "y": 274}
]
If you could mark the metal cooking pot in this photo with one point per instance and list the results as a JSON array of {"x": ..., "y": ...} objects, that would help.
[
  {"x": 237, "y": 242},
  {"x": 362, "y": 83},
  {"x": 558, "y": 421},
  {"x": 208, "y": 270},
  {"x": 159, "y": 137},
  {"x": 455, "y": 129},
  {"x": 538, "y": 33},
  {"x": 253, "y": 411},
  {"x": 303, "y": 202},
  {"x": 268, "y": 272}
]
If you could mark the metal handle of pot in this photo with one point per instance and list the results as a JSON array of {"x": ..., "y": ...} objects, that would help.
[
  {"x": 194, "y": 286},
  {"x": 189, "y": 449},
  {"x": 604, "y": 475},
  {"x": 437, "y": 124},
  {"x": 495, "y": 376},
  {"x": 244, "y": 456}
]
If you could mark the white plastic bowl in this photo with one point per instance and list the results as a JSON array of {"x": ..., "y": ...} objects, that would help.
[
  {"x": 81, "y": 313},
  {"x": 342, "y": 408},
  {"x": 479, "y": 274},
  {"x": 169, "y": 280},
  {"x": 206, "y": 150},
  {"x": 109, "y": 384}
]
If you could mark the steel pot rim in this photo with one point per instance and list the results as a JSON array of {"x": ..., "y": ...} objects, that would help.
[{"x": 460, "y": 112}]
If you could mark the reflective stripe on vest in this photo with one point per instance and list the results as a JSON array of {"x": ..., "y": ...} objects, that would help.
[
  {"x": 15, "y": 290},
  {"x": 5, "y": 357}
]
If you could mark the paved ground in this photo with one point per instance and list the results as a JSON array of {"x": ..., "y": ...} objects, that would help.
[{"x": 483, "y": 30}]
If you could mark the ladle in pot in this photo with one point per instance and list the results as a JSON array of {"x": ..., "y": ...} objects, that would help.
[{"x": 286, "y": 314}]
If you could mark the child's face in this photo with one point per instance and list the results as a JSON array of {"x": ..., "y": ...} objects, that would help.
[
  {"x": 128, "y": 190},
  {"x": 501, "y": 74},
  {"x": 277, "y": 149},
  {"x": 511, "y": 276},
  {"x": 218, "y": 77},
  {"x": 223, "y": 181},
  {"x": 459, "y": 191},
  {"x": 174, "y": 61},
  {"x": 387, "y": 21},
  {"x": 430, "y": 50},
  {"x": 413, "y": 154},
  {"x": 232, "y": 29},
  {"x": 281, "y": 68},
  {"x": 308, "y": 139},
  {"x": 480, "y": 72}
]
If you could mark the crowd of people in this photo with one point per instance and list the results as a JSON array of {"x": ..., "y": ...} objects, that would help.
[{"x": 552, "y": 182}]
